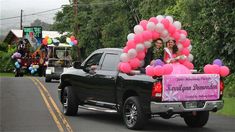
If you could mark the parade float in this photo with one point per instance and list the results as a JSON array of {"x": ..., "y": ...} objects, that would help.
[{"x": 181, "y": 81}]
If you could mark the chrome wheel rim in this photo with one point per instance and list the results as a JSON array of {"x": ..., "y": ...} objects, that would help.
[
  {"x": 65, "y": 102},
  {"x": 130, "y": 114}
]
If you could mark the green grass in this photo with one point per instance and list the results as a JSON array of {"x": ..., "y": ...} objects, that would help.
[
  {"x": 229, "y": 106},
  {"x": 6, "y": 74}
]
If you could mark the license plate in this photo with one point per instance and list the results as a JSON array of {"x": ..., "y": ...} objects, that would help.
[{"x": 190, "y": 105}]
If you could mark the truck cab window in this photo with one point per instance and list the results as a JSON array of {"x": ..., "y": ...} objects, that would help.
[
  {"x": 110, "y": 62},
  {"x": 94, "y": 60}
]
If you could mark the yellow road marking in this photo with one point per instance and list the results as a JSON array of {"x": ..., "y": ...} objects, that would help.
[
  {"x": 49, "y": 107},
  {"x": 65, "y": 122}
]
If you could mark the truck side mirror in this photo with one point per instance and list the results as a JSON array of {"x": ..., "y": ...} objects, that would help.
[{"x": 77, "y": 64}]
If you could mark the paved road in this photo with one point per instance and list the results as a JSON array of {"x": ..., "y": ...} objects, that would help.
[{"x": 30, "y": 104}]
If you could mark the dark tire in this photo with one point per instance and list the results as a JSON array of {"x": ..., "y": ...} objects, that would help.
[
  {"x": 21, "y": 74},
  {"x": 47, "y": 79},
  {"x": 70, "y": 105},
  {"x": 198, "y": 120},
  {"x": 17, "y": 73},
  {"x": 133, "y": 115}
]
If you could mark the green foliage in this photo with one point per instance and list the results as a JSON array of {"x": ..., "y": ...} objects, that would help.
[
  {"x": 209, "y": 23},
  {"x": 6, "y": 64},
  {"x": 229, "y": 82}
]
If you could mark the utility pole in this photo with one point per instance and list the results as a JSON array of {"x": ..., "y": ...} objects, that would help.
[
  {"x": 21, "y": 15},
  {"x": 76, "y": 26}
]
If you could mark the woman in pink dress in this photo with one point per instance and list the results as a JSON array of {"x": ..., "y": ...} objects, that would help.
[{"x": 171, "y": 55}]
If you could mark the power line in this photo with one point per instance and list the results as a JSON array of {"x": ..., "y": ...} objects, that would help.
[
  {"x": 31, "y": 14},
  {"x": 104, "y": 3}
]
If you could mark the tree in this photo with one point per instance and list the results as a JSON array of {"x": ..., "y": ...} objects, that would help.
[{"x": 44, "y": 25}]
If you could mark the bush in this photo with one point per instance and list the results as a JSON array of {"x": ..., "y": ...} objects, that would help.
[
  {"x": 7, "y": 64},
  {"x": 229, "y": 82}
]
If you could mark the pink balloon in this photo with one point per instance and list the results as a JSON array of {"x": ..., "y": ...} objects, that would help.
[
  {"x": 149, "y": 70},
  {"x": 215, "y": 69},
  {"x": 125, "y": 67},
  {"x": 140, "y": 55},
  {"x": 125, "y": 49},
  {"x": 184, "y": 32},
  {"x": 190, "y": 66},
  {"x": 208, "y": 69},
  {"x": 168, "y": 68},
  {"x": 130, "y": 44},
  {"x": 144, "y": 23},
  {"x": 147, "y": 35},
  {"x": 181, "y": 61},
  {"x": 185, "y": 51},
  {"x": 176, "y": 36},
  {"x": 154, "y": 20},
  {"x": 171, "y": 29},
  {"x": 165, "y": 22},
  {"x": 186, "y": 43},
  {"x": 138, "y": 38},
  {"x": 155, "y": 35},
  {"x": 72, "y": 38},
  {"x": 135, "y": 63},
  {"x": 75, "y": 42},
  {"x": 158, "y": 70},
  {"x": 224, "y": 71}
]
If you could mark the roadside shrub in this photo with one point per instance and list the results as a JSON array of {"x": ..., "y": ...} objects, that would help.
[{"x": 230, "y": 85}]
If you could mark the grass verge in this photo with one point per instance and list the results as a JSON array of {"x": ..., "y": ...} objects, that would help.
[
  {"x": 229, "y": 106},
  {"x": 6, "y": 74}
]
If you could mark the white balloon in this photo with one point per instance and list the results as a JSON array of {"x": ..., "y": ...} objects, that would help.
[
  {"x": 190, "y": 57},
  {"x": 147, "y": 44},
  {"x": 124, "y": 57},
  {"x": 180, "y": 46},
  {"x": 170, "y": 18},
  {"x": 159, "y": 27},
  {"x": 164, "y": 33},
  {"x": 132, "y": 53},
  {"x": 177, "y": 24},
  {"x": 182, "y": 37},
  {"x": 139, "y": 47},
  {"x": 130, "y": 36},
  {"x": 68, "y": 40},
  {"x": 159, "y": 18},
  {"x": 165, "y": 39},
  {"x": 138, "y": 29},
  {"x": 150, "y": 26},
  {"x": 190, "y": 47}
]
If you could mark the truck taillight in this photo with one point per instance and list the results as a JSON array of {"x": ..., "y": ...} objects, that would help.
[
  {"x": 157, "y": 89},
  {"x": 221, "y": 87}
]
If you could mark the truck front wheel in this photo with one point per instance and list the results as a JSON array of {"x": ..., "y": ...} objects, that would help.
[
  {"x": 133, "y": 115},
  {"x": 198, "y": 120},
  {"x": 70, "y": 105}
]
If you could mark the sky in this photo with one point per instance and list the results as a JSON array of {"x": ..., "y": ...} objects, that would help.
[{"x": 11, "y": 8}]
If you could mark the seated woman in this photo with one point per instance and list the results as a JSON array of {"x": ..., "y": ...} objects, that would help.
[
  {"x": 171, "y": 55},
  {"x": 171, "y": 51}
]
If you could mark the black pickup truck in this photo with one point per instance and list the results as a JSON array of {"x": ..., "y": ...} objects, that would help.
[{"x": 97, "y": 84}]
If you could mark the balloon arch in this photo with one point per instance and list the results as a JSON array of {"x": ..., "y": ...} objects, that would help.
[{"x": 144, "y": 33}]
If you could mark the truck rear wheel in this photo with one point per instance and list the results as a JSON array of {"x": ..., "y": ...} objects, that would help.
[
  {"x": 133, "y": 115},
  {"x": 70, "y": 105},
  {"x": 198, "y": 120}
]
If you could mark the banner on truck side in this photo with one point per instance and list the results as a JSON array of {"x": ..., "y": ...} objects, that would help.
[{"x": 189, "y": 87}]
